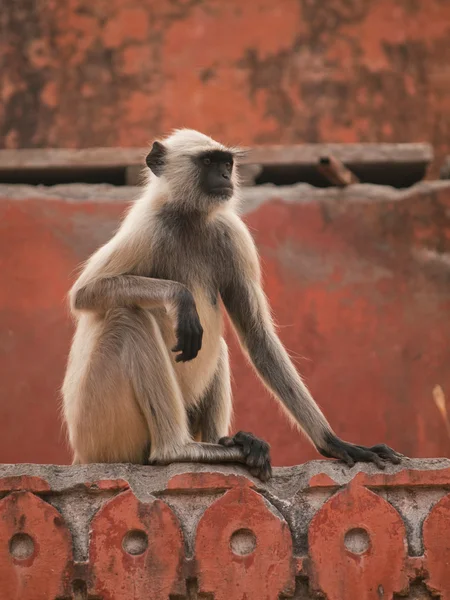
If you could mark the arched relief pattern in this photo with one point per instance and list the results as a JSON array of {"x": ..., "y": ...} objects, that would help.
[
  {"x": 357, "y": 545},
  {"x": 242, "y": 548},
  {"x": 136, "y": 550},
  {"x": 436, "y": 540},
  {"x": 35, "y": 549}
]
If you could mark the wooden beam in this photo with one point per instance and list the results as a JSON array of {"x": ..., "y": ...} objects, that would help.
[
  {"x": 444, "y": 172},
  {"x": 358, "y": 154},
  {"x": 304, "y": 154},
  {"x": 335, "y": 171}
]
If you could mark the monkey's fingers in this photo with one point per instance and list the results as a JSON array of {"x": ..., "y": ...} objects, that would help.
[
  {"x": 196, "y": 344},
  {"x": 259, "y": 463},
  {"x": 351, "y": 453},
  {"x": 188, "y": 343},
  {"x": 337, "y": 448},
  {"x": 387, "y": 453},
  {"x": 256, "y": 452},
  {"x": 244, "y": 441},
  {"x": 178, "y": 346},
  {"x": 183, "y": 346},
  {"x": 365, "y": 455},
  {"x": 198, "y": 337},
  {"x": 197, "y": 340},
  {"x": 259, "y": 454},
  {"x": 226, "y": 441},
  {"x": 264, "y": 473},
  {"x": 189, "y": 348},
  {"x": 340, "y": 454}
]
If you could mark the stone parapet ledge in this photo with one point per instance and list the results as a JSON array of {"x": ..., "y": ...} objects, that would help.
[{"x": 122, "y": 532}]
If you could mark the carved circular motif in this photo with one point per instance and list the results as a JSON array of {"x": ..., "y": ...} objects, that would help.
[
  {"x": 243, "y": 542},
  {"x": 21, "y": 546},
  {"x": 135, "y": 542},
  {"x": 357, "y": 540}
]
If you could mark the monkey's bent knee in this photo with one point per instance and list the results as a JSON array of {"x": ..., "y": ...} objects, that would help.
[{"x": 88, "y": 450}]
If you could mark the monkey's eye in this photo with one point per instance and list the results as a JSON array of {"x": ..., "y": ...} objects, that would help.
[
  {"x": 228, "y": 166},
  {"x": 206, "y": 161}
]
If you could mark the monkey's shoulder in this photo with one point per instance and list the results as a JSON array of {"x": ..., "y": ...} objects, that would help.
[{"x": 197, "y": 253}]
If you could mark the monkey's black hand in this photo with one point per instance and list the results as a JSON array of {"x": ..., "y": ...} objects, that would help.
[
  {"x": 256, "y": 452},
  {"x": 189, "y": 331},
  {"x": 350, "y": 453}
]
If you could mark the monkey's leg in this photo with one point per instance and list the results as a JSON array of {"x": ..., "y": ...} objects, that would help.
[
  {"x": 156, "y": 388},
  {"x": 104, "y": 422},
  {"x": 210, "y": 421},
  {"x": 217, "y": 454},
  {"x": 211, "y": 418},
  {"x": 159, "y": 398}
]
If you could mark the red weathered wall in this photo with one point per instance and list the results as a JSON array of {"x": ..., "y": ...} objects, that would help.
[
  {"x": 85, "y": 73},
  {"x": 142, "y": 533},
  {"x": 359, "y": 284}
]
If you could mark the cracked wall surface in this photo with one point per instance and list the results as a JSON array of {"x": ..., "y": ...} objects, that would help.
[
  {"x": 105, "y": 73},
  {"x": 192, "y": 532},
  {"x": 358, "y": 280}
]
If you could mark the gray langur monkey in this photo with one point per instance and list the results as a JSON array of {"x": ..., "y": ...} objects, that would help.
[{"x": 148, "y": 378}]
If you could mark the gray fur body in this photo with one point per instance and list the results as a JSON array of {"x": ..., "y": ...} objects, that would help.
[{"x": 179, "y": 254}]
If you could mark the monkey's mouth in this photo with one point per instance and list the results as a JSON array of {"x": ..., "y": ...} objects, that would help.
[{"x": 224, "y": 191}]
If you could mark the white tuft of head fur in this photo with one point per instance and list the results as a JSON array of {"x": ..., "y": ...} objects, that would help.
[{"x": 189, "y": 140}]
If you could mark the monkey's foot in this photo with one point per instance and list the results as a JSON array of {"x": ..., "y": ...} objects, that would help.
[
  {"x": 351, "y": 454},
  {"x": 256, "y": 453}
]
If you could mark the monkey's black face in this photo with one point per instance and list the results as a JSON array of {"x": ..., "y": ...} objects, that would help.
[{"x": 216, "y": 167}]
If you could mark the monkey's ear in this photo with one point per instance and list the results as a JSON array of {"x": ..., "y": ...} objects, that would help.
[
  {"x": 156, "y": 158},
  {"x": 240, "y": 153}
]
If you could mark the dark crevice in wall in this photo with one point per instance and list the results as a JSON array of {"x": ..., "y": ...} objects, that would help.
[
  {"x": 55, "y": 176},
  {"x": 391, "y": 174}
]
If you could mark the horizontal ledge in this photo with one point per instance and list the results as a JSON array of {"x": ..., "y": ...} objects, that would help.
[
  {"x": 299, "y": 154},
  {"x": 350, "y": 154},
  {"x": 251, "y": 196},
  {"x": 147, "y": 480}
]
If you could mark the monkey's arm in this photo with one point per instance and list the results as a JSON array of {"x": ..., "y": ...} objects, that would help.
[
  {"x": 104, "y": 293},
  {"x": 122, "y": 291},
  {"x": 249, "y": 311}
]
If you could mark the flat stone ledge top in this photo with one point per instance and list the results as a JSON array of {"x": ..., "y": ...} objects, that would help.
[
  {"x": 252, "y": 197},
  {"x": 145, "y": 480}
]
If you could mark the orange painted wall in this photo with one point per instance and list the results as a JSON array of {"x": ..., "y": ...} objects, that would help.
[
  {"x": 109, "y": 72},
  {"x": 359, "y": 289}
]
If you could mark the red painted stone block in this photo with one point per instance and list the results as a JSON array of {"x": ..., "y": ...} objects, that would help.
[
  {"x": 136, "y": 550},
  {"x": 243, "y": 550},
  {"x": 404, "y": 478},
  {"x": 35, "y": 549},
  {"x": 436, "y": 540},
  {"x": 23, "y": 483},
  {"x": 238, "y": 544},
  {"x": 207, "y": 481},
  {"x": 357, "y": 544}
]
